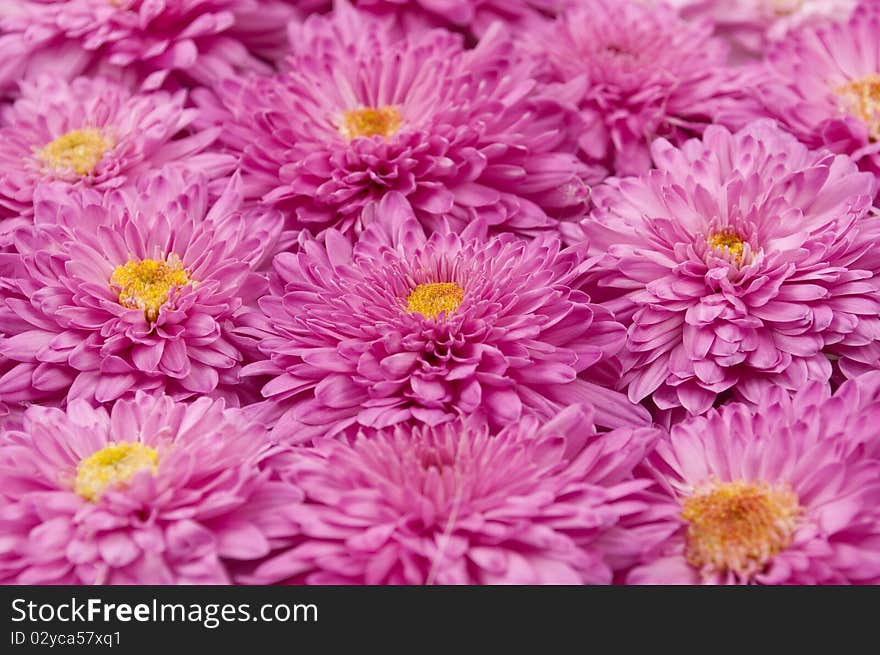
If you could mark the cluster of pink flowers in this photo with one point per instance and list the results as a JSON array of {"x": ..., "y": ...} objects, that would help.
[{"x": 440, "y": 292}]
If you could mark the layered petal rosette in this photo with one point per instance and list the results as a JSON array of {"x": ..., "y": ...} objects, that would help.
[
  {"x": 149, "y": 492},
  {"x": 189, "y": 41},
  {"x": 361, "y": 112},
  {"x": 736, "y": 265},
  {"x": 823, "y": 83},
  {"x": 536, "y": 503},
  {"x": 429, "y": 328},
  {"x": 134, "y": 290},
  {"x": 636, "y": 72},
  {"x": 783, "y": 493},
  {"x": 93, "y": 132}
]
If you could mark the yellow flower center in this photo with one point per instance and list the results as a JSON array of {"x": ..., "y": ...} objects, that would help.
[
  {"x": 431, "y": 299},
  {"x": 113, "y": 466},
  {"x": 728, "y": 241},
  {"x": 147, "y": 284},
  {"x": 785, "y": 7},
  {"x": 79, "y": 151},
  {"x": 739, "y": 526},
  {"x": 862, "y": 98},
  {"x": 370, "y": 121}
]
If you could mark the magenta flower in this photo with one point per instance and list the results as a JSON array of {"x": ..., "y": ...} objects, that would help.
[
  {"x": 636, "y": 72},
  {"x": 536, "y": 503},
  {"x": 752, "y": 25},
  {"x": 95, "y": 133},
  {"x": 427, "y": 329},
  {"x": 823, "y": 84},
  {"x": 780, "y": 494},
  {"x": 197, "y": 40},
  {"x": 461, "y": 134},
  {"x": 141, "y": 289},
  {"x": 736, "y": 265},
  {"x": 151, "y": 492}
]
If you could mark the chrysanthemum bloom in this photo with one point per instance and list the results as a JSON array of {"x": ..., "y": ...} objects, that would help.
[
  {"x": 823, "y": 84},
  {"x": 430, "y": 328},
  {"x": 536, "y": 503},
  {"x": 779, "y": 494},
  {"x": 140, "y": 289},
  {"x": 754, "y": 24},
  {"x": 152, "y": 492},
  {"x": 197, "y": 40},
  {"x": 361, "y": 112},
  {"x": 95, "y": 133},
  {"x": 636, "y": 72},
  {"x": 735, "y": 265}
]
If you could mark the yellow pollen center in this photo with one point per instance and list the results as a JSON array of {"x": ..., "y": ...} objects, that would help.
[
  {"x": 739, "y": 526},
  {"x": 79, "y": 151},
  {"x": 729, "y": 241},
  {"x": 113, "y": 466},
  {"x": 147, "y": 284},
  {"x": 431, "y": 299},
  {"x": 369, "y": 121},
  {"x": 785, "y": 7},
  {"x": 862, "y": 99}
]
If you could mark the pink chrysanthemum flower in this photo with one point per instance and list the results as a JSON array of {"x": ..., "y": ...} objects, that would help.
[
  {"x": 752, "y": 25},
  {"x": 458, "y": 504},
  {"x": 823, "y": 84},
  {"x": 151, "y": 492},
  {"x": 140, "y": 289},
  {"x": 636, "y": 72},
  {"x": 95, "y": 133},
  {"x": 735, "y": 264},
  {"x": 430, "y": 328},
  {"x": 361, "y": 112},
  {"x": 785, "y": 493},
  {"x": 196, "y": 40}
]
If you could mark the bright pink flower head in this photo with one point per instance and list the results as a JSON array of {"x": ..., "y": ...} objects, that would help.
[
  {"x": 95, "y": 133},
  {"x": 785, "y": 493},
  {"x": 192, "y": 40},
  {"x": 636, "y": 72},
  {"x": 361, "y": 112},
  {"x": 139, "y": 289},
  {"x": 427, "y": 329},
  {"x": 150, "y": 492},
  {"x": 536, "y": 503},
  {"x": 823, "y": 84},
  {"x": 752, "y": 25},
  {"x": 735, "y": 265}
]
